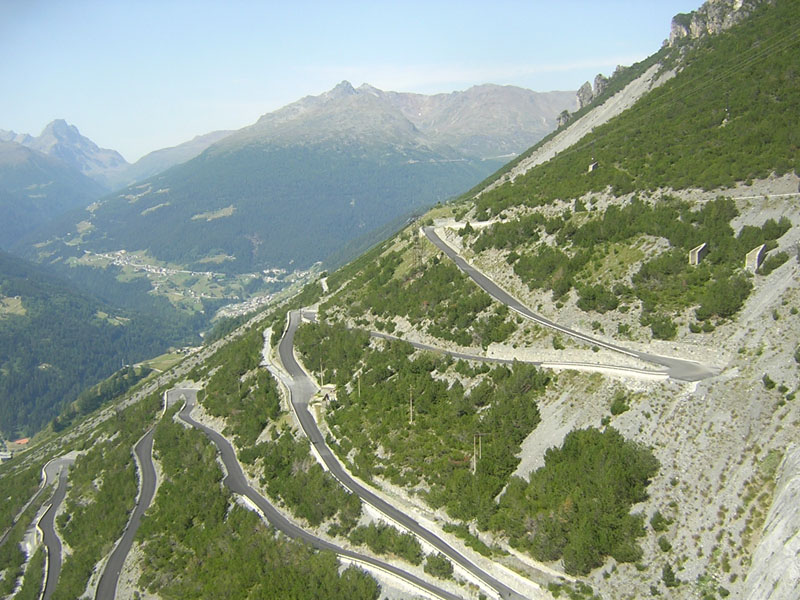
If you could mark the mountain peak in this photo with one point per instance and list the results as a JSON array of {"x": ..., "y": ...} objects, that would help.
[
  {"x": 60, "y": 126},
  {"x": 63, "y": 141},
  {"x": 342, "y": 90},
  {"x": 59, "y": 130}
]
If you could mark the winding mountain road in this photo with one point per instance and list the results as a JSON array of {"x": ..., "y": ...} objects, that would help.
[
  {"x": 578, "y": 366},
  {"x": 301, "y": 389},
  {"x": 677, "y": 368},
  {"x": 55, "y": 468},
  {"x": 237, "y": 483},
  {"x": 311, "y": 315},
  {"x": 107, "y": 586}
]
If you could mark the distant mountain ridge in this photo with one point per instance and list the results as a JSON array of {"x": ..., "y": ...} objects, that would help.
[
  {"x": 108, "y": 168},
  {"x": 43, "y": 177},
  {"x": 160, "y": 160},
  {"x": 485, "y": 120},
  {"x": 482, "y": 122},
  {"x": 330, "y": 168}
]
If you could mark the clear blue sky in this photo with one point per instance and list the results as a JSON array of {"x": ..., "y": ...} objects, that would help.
[{"x": 138, "y": 75}]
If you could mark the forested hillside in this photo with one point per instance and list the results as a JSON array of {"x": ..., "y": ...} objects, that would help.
[
  {"x": 256, "y": 205},
  {"x": 36, "y": 189},
  {"x": 55, "y": 342},
  {"x": 729, "y": 115}
]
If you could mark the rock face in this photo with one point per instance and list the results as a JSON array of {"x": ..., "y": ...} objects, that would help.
[
  {"x": 585, "y": 95},
  {"x": 775, "y": 574},
  {"x": 713, "y": 17},
  {"x": 600, "y": 84}
]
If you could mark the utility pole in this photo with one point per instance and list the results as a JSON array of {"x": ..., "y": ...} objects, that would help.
[
  {"x": 417, "y": 250},
  {"x": 411, "y": 406},
  {"x": 474, "y": 458},
  {"x": 477, "y": 444},
  {"x": 321, "y": 374}
]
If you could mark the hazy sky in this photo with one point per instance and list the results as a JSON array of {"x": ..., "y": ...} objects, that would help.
[{"x": 138, "y": 75}]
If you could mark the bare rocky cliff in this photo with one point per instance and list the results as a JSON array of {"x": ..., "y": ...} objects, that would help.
[{"x": 711, "y": 18}]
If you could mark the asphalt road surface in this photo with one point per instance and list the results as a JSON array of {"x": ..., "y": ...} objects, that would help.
[
  {"x": 587, "y": 366},
  {"x": 107, "y": 586},
  {"x": 56, "y": 468},
  {"x": 684, "y": 370},
  {"x": 237, "y": 483},
  {"x": 301, "y": 389}
]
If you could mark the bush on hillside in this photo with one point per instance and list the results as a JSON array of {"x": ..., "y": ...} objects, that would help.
[{"x": 576, "y": 507}]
